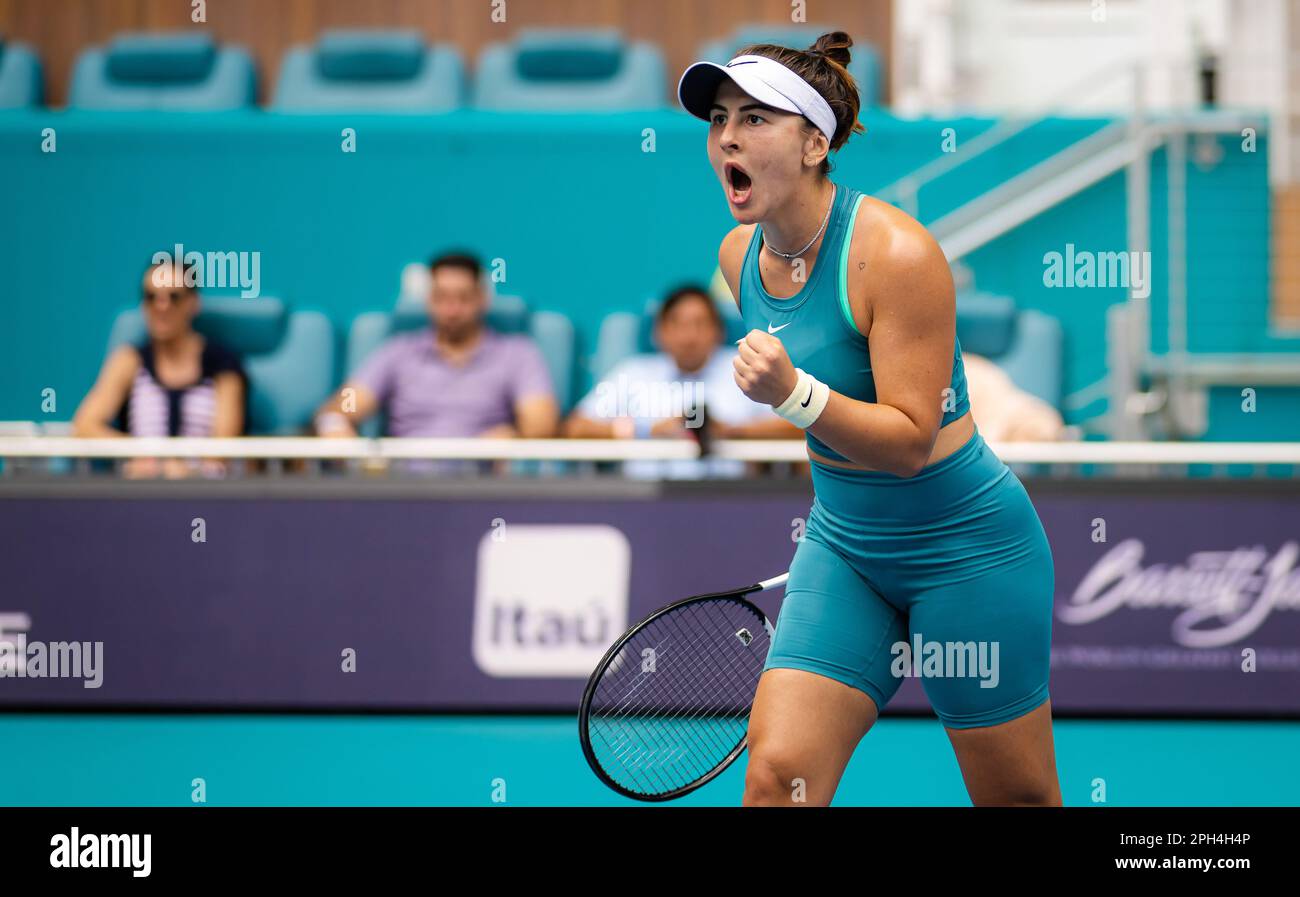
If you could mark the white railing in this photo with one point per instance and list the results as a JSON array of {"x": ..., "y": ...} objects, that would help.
[{"x": 769, "y": 450}]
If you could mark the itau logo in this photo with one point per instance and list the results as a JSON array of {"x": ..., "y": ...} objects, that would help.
[{"x": 549, "y": 599}]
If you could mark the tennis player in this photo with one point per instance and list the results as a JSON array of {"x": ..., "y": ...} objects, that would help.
[{"x": 922, "y": 553}]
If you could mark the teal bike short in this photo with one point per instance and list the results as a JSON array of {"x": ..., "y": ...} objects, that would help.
[{"x": 945, "y": 576}]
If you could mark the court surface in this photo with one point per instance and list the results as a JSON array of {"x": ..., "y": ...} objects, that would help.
[{"x": 301, "y": 760}]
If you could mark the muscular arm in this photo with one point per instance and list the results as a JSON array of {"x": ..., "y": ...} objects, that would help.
[
  {"x": 913, "y": 320},
  {"x": 912, "y": 313}
]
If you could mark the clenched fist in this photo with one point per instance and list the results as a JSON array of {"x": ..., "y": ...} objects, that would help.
[{"x": 763, "y": 371}]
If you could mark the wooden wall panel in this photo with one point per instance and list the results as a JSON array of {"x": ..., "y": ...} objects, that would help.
[{"x": 60, "y": 29}]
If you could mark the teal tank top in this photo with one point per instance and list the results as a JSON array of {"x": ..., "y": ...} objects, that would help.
[{"x": 816, "y": 326}]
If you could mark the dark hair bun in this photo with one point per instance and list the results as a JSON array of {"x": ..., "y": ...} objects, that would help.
[{"x": 834, "y": 45}]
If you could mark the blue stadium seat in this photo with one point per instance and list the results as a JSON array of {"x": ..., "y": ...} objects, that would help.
[
  {"x": 371, "y": 71},
  {"x": 167, "y": 71},
  {"x": 1029, "y": 345},
  {"x": 289, "y": 356},
  {"x": 570, "y": 70},
  {"x": 553, "y": 333},
  {"x": 20, "y": 76},
  {"x": 864, "y": 66},
  {"x": 624, "y": 333}
]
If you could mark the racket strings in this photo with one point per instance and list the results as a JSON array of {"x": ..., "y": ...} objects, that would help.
[
  {"x": 640, "y": 746},
  {"x": 665, "y": 722},
  {"x": 645, "y": 758},
  {"x": 689, "y": 641},
  {"x": 646, "y": 747},
  {"x": 707, "y": 657},
  {"x": 687, "y": 638},
  {"x": 718, "y": 732},
  {"x": 727, "y": 718},
  {"x": 705, "y": 654}
]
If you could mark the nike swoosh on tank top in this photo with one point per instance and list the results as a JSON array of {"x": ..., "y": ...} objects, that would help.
[{"x": 816, "y": 324}]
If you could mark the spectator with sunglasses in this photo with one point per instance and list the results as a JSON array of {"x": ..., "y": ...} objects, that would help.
[{"x": 176, "y": 382}]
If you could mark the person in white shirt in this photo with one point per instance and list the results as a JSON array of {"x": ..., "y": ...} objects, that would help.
[{"x": 687, "y": 386}]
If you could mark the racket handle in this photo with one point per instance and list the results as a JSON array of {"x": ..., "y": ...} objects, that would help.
[{"x": 773, "y": 583}]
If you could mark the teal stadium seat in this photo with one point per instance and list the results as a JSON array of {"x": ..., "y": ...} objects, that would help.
[
  {"x": 1027, "y": 344},
  {"x": 371, "y": 71},
  {"x": 570, "y": 70},
  {"x": 553, "y": 333},
  {"x": 289, "y": 356},
  {"x": 864, "y": 66},
  {"x": 163, "y": 72},
  {"x": 20, "y": 76}
]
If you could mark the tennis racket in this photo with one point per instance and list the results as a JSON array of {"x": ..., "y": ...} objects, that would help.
[{"x": 667, "y": 708}]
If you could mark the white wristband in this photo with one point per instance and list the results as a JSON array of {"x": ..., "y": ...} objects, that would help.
[{"x": 806, "y": 402}]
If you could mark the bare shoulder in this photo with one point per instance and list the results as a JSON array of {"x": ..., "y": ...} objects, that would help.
[
  {"x": 731, "y": 254},
  {"x": 122, "y": 363},
  {"x": 894, "y": 258}
]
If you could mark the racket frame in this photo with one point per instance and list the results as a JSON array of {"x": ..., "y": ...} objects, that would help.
[{"x": 584, "y": 710}]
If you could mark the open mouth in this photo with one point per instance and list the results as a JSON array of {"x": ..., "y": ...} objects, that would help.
[{"x": 739, "y": 184}]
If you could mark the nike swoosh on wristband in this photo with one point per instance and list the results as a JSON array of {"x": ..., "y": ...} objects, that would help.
[
  {"x": 771, "y": 329},
  {"x": 805, "y": 402}
]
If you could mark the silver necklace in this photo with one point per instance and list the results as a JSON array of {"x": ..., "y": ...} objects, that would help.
[{"x": 830, "y": 205}]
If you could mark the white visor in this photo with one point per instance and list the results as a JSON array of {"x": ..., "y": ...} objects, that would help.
[{"x": 764, "y": 79}]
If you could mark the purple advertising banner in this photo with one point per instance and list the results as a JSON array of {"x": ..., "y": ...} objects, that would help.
[{"x": 1167, "y": 601}]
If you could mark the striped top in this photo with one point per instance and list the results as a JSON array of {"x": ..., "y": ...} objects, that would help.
[{"x": 153, "y": 409}]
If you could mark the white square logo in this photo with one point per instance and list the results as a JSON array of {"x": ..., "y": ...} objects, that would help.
[{"x": 550, "y": 599}]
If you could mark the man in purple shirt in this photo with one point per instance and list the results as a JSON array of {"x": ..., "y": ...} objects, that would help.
[{"x": 457, "y": 378}]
